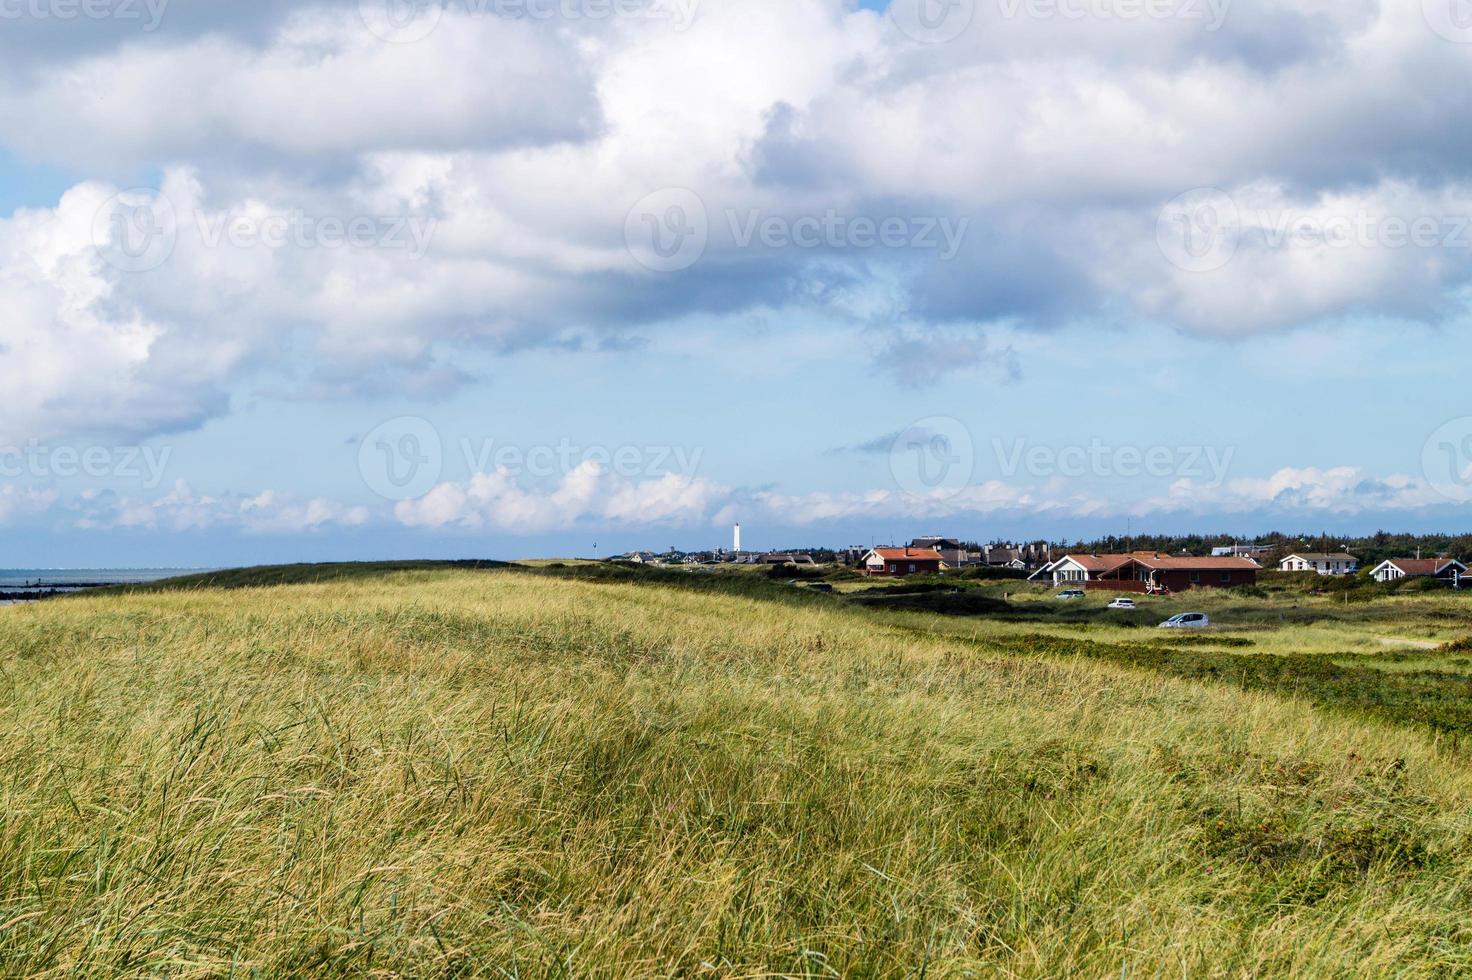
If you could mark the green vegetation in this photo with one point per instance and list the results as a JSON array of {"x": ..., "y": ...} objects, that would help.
[
  {"x": 254, "y": 578},
  {"x": 580, "y": 769},
  {"x": 1371, "y": 550}
]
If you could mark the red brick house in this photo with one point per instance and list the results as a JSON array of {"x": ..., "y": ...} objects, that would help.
[
  {"x": 1149, "y": 571},
  {"x": 901, "y": 562}
]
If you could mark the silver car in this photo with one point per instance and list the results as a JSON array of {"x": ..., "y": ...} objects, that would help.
[{"x": 1187, "y": 621}]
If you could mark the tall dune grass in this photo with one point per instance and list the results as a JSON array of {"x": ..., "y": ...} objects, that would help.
[{"x": 499, "y": 774}]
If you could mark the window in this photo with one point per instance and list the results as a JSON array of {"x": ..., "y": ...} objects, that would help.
[
  {"x": 912, "y": 568},
  {"x": 1226, "y": 578},
  {"x": 1195, "y": 577}
]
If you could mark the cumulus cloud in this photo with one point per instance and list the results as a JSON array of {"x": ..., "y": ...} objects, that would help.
[
  {"x": 324, "y": 89},
  {"x": 587, "y": 494},
  {"x": 1051, "y": 147},
  {"x": 1260, "y": 256},
  {"x": 990, "y": 498},
  {"x": 274, "y": 513},
  {"x": 20, "y": 503},
  {"x": 1340, "y": 491},
  {"x": 592, "y": 497},
  {"x": 75, "y": 349},
  {"x": 181, "y": 508}
]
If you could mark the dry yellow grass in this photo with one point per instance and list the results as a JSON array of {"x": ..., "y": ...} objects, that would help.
[{"x": 507, "y": 774}]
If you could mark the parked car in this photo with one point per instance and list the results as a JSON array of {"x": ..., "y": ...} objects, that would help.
[
  {"x": 1071, "y": 594},
  {"x": 1123, "y": 604},
  {"x": 1187, "y": 621}
]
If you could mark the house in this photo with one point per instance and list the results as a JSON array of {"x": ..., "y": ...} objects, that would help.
[
  {"x": 951, "y": 552},
  {"x": 1079, "y": 569},
  {"x": 1447, "y": 569},
  {"x": 1243, "y": 551},
  {"x": 901, "y": 562},
  {"x": 1150, "y": 571},
  {"x": 786, "y": 559},
  {"x": 1339, "y": 563},
  {"x": 994, "y": 557}
]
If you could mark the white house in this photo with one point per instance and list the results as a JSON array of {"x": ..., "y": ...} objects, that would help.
[
  {"x": 1078, "y": 569},
  {"x": 1395, "y": 569},
  {"x": 1333, "y": 564}
]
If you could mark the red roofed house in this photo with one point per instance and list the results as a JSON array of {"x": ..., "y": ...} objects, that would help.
[
  {"x": 1149, "y": 571},
  {"x": 1448, "y": 569},
  {"x": 1080, "y": 569},
  {"x": 900, "y": 562}
]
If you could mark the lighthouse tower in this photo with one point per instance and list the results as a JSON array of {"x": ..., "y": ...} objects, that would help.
[{"x": 736, "y": 540}]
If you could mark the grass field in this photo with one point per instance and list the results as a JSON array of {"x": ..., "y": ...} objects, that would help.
[{"x": 586, "y": 771}]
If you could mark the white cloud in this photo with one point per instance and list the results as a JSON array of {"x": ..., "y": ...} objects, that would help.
[
  {"x": 23, "y": 503},
  {"x": 181, "y": 508},
  {"x": 1341, "y": 491},
  {"x": 1283, "y": 259},
  {"x": 525, "y": 144},
  {"x": 587, "y": 494},
  {"x": 591, "y": 497},
  {"x": 324, "y": 87},
  {"x": 275, "y": 513},
  {"x": 75, "y": 351}
]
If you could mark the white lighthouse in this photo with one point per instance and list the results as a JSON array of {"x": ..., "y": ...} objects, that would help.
[{"x": 736, "y": 539}]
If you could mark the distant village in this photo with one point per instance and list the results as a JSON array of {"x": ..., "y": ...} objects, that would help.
[
  {"x": 937, "y": 553},
  {"x": 1153, "y": 570}
]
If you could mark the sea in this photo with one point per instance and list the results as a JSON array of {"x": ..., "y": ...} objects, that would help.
[{"x": 29, "y": 584}]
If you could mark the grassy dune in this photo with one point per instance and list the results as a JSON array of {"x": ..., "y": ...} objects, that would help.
[{"x": 496, "y": 772}]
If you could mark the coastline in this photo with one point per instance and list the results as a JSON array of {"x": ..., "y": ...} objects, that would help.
[{"x": 21, "y": 586}]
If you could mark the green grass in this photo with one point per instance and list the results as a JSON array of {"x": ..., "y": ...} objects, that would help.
[
  {"x": 525, "y": 772},
  {"x": 254, "y": 578}
]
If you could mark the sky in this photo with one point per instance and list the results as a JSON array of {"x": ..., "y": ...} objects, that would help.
[{"x": 294, "y": 281}]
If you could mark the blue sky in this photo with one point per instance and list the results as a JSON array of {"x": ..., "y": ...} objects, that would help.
[{"x": 840, "y": 273}]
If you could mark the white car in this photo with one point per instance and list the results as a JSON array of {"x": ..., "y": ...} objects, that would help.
[
  {"x": 1187, "y": 621},
  {"x": 1123, "y": 604},
  {"x": 1070, "y": 594}
]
